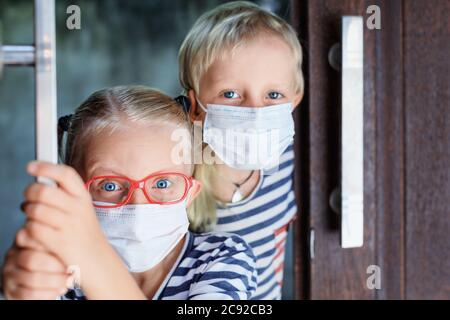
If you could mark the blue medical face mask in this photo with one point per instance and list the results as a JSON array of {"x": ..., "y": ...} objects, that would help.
[{"x": 248, "y": 138}]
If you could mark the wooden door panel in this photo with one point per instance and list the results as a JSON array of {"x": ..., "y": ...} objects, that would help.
[
  {"x": 427, "y": 148},
  {"x": 334, "y": 272},
  {"x": 406, "y": 152},
  {"x": 389, "y": 174}
]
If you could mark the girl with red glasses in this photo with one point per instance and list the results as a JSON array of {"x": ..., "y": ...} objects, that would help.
[{"x": 118, "y": 216}]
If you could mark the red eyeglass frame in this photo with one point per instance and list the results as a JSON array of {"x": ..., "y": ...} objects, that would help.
[{"x": 140, "y": 184}]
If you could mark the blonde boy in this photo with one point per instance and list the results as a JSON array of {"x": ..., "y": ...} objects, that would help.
[{"x": 242, "y": 62}]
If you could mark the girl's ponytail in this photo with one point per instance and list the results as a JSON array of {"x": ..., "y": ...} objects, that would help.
[{"x": 202, "y": 211}]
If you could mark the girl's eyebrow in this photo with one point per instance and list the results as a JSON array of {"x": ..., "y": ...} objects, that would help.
[
  {"x": 91, "y": 172},
  {"x": 104, "y": 169},
  {"x": 168, "y": 169}
]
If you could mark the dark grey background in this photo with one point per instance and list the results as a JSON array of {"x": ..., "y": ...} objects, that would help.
[{"x": 121, "y": 42}]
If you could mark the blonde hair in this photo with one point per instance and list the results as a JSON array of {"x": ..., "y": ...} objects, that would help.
[
  {"x": 202, "y": 211},
  {"x": 215, "y": 33},
  {"x": 223, "y": 29},
  {"x": 108, "y": 108}
]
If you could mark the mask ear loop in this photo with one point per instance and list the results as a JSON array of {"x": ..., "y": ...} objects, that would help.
[
  {"x": 195, "y": 183},
  {"x": 202, "y": 106},
  {"x": 186, "y": 103}
]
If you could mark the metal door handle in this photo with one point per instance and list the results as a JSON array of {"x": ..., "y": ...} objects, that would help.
[
  {"x": 348, "y": 199},
  {"x": 43, "y": 57},
  {"x": 352, "y": 145}
]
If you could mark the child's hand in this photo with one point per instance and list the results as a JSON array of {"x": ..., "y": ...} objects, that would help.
[
  {"x": 62, "y": 219},
  {"x": 31, "y": 274}
]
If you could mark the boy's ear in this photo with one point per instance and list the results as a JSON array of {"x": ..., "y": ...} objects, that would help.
[
  {"x": 194, "y": 112},
  {"x": 193, "y": 193},
  {"x": 297, "y": 99}
]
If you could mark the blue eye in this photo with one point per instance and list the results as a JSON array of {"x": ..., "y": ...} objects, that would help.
[
  {"x": 275, "y": 95},
  {"x": 110, "y": 186},
  {"x": 163, "y": 184},
  {"x": 230, "y": 94}
]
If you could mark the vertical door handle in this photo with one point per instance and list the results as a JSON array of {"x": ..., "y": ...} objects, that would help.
[
  {"x": 41, "y": 55},
  {"x": 348, "y": 198},
  {"x": 45, "y": 75},
  {"x": 352, "y": 125}
]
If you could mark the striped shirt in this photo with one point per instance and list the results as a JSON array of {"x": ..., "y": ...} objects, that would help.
[
  {"x": 262, "y": 220},
  {"x": 211, "y": 266}
]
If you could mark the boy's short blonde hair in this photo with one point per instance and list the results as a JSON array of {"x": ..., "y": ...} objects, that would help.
[{"x": 224, "y": 28}]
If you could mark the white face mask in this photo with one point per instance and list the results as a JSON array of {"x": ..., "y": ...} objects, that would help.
[
  {"x": 249, "y": 138},
  {"x": 143, "y": 234}
]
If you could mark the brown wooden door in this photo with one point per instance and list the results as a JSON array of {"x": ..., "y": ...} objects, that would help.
[{"x": 406, "y": 153}]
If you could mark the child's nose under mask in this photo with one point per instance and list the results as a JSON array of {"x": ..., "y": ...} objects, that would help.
[
  {"x": 248, "y": 138},
  {"x": 143, "y": 234}
]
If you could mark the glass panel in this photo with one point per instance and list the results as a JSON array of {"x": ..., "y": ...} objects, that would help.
[{"x": 120, "y": 42}]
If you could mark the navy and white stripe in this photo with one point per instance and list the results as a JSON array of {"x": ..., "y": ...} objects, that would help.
[
  {"x": 262, "y": 220},
  {"x": 211, "y": 266}
]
